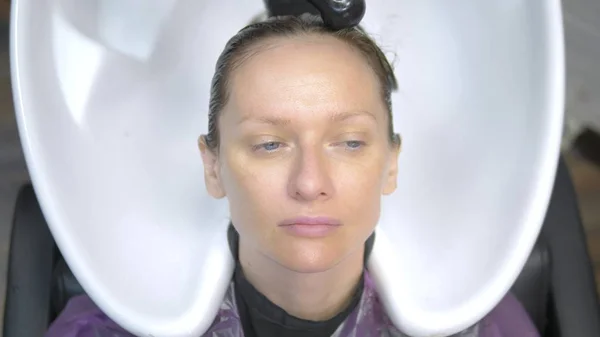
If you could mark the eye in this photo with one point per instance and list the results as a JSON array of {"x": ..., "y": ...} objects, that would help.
[
  {"x": 354, "y": 144},
  {"x": 268, "y": 146}
]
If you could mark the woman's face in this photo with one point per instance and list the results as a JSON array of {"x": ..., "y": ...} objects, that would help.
[{"x": 305, "y": 154}]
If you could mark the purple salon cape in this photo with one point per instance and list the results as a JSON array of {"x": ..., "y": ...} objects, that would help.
[{"x": 82, "y": 318}]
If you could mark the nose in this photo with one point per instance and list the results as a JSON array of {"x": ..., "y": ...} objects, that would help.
[{"x": 310, "y": 179}]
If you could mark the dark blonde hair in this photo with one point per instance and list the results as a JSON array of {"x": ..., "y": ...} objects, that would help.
[{"x": 248, "y": 41}]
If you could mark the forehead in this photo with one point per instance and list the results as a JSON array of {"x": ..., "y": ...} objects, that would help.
[{"x": 314, "y": 74}]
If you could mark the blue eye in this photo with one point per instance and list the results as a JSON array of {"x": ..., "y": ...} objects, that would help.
[
  {"x": 269, "y": 146},
  {"x": 354, "y": 144}
]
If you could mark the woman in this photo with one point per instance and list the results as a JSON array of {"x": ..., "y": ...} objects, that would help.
[{"x": 301, "y": 143}]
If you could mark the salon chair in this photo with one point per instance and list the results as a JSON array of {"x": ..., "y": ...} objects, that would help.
[{"x": 556, "y": 285}]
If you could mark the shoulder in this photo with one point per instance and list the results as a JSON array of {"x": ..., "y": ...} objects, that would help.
[
  {"x": 508, "y": 319},
  {"x": 82, "y": 318}
]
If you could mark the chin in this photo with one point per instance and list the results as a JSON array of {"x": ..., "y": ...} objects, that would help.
[
  {"x": 307, "y": 259},
  {"x": 308, "y": 267}
]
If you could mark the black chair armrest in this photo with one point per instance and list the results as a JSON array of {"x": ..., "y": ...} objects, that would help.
[
  {"x": 574, "y": 302},
  {"x": 31, "y": 261},
  {"x": 532, "y": 287}
]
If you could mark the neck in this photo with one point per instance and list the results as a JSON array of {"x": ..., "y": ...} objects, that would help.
[{"x": 310, "y": 296}]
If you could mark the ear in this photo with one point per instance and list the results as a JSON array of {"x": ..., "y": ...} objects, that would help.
[
  {"x": 391, "y": 179},
  {"x": 212, "y": 176}
]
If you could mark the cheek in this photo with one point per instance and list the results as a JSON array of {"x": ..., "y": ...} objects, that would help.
[
  {"x": 244, "y": 178},
  {"x": 359, "y": 190},
  {"x": 250, "y": 192},
  {"x": 362, "y": 176}
]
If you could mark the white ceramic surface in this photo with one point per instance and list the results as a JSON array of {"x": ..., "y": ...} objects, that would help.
[{"x": 111, "y": 96}]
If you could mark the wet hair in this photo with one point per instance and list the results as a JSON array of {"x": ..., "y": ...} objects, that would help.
[{"x": 248, "y": 41}]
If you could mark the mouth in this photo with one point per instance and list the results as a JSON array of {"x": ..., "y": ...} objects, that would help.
[
  {"x": 311, "y": 221},
  {"x": 310, "y": 227}
]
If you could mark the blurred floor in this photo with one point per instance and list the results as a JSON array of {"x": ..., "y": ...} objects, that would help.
[{"x": 13, "y": 172}]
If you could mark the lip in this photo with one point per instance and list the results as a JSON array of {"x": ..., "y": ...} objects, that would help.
[
  {"x": 311, "y": 221},
  {"x": 310, "y": 227}
]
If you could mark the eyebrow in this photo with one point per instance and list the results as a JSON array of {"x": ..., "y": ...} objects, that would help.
[
  {"x": 343, "y": 116},
  {"x": 279, "y": 121}
]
